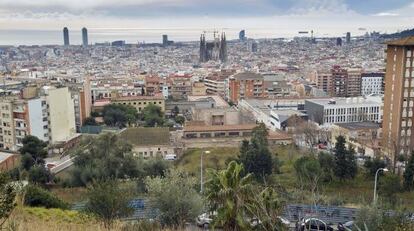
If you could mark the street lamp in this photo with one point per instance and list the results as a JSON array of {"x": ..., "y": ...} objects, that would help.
[
  {"x": 201, "y": 170},
  {"x": 375, "y": 184}
]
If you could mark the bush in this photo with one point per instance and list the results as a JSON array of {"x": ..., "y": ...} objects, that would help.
[{"x": 38, "y": 197}]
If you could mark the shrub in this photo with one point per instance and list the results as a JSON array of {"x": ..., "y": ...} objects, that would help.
[{"x": 38, "y": 197}]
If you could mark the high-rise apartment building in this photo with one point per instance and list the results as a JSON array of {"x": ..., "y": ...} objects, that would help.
[
  {"x": 84, "y": 37},
  {"x": 65, "y": 36},
  {"x": 397, "y": 127}
]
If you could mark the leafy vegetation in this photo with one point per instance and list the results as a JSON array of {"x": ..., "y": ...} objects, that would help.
[
  {"x": 108, "y": 202},
  {"x": 153, "y": 116},
  {"x": 409, "y": 174},
  {"x": 104, "y": 157},
  {"x": 119, "y": 115},
  {"x": 175, "y": 196},
  {"x": 345, "y": 162},
  {"x": 7, "y": 199},
  {"x": 255, "y": 155},
  {"x": 36, "y": 196}
]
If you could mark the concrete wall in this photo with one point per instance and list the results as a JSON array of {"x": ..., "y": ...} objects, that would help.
[
  {"x": 62, "y": 114},
  {"x": 36, "y": 122}
]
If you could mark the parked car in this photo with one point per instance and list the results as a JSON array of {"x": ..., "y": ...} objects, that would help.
[
  {"x": 346, "y": 226},
  {"x": 312, "y": 224},
  {"x": 170, "y": 157}
]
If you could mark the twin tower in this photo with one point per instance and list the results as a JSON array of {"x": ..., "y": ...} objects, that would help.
[{"x": 84, "y": 36}]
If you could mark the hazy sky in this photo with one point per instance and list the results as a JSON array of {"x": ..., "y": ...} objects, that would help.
[{"x": 323, "y": 16}]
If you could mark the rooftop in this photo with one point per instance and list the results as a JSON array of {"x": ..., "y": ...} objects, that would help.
[
  {"x": 248, "y": 75},
  {"x": 146, "y": 136},
  {"x": 139, "y": 97},
  {"x": 347, "y": 101},
  {"x": 212, "y": 128},
  {"x": 359, "y": 126},
  {"x": 220, "y": 102},
  {"x": 407, "y": 41}
]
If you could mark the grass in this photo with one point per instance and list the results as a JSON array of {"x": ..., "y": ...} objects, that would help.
[
  {"x": 70, "y": 195},
  {"x": 190, "y": 161},
  {"x": 353, "y": 193}
]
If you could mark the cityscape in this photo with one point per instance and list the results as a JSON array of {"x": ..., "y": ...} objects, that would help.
[{"x": 223, "y": 128}]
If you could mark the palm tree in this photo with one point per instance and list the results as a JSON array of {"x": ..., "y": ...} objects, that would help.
[{"x": 229, "y": 192}]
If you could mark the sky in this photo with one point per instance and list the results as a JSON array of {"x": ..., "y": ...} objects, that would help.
[{"x": 325, "y": 17}]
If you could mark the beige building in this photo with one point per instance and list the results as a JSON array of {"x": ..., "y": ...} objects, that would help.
[
  {"x": 62, "y": 125},
  {"x": 397, "y": 125},
  {"x": 140, "y": 102},
  {"x": 199, "y": 88},
  {"x": 7, "y": 132}
]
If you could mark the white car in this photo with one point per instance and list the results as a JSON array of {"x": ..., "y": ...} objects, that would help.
[
  {"x": 170, "y": 157},
  {"x": 205, "y": 219}
]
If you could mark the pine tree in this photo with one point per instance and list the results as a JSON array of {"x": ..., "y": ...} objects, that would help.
[
  {"x": 345, "y": 163},
  {"x": 409, "y": 174}
]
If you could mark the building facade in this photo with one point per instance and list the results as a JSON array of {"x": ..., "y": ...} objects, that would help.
[
  {"x": 344, "y": 110},
  {"x": 140, "y": 102},
  {"x": 397, "y": 125},
  {"x": 246, "y": 85},
  {"x": 372, "y": 83}
]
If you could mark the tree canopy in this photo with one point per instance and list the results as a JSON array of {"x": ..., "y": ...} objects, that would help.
[
  {"x": 153, "y": 116},
  {"x": 119, "y": 115},
  {"x": 255, "y": 155},
  {"x": 175, "y": 196},
  {"x": 104, "y": 157},
  {"x": 345, "y": 162},
  {"x": 409, "y": 174}
]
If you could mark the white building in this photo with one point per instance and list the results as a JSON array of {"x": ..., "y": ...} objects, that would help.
[
  {"x": 372, "y": 83},
  {"x": 344, "y": 110}
]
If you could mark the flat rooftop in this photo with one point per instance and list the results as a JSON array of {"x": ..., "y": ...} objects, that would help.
[
  {"x": 359, "y": 126},
  {"x": 345, "y": 101},
  {"x": 407, "y": 41},
  {"x": 220, "y": 102},
  {"x": 212, "y": 128}
]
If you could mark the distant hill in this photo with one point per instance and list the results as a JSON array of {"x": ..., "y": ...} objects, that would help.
[{"x": 401, "y": 34}]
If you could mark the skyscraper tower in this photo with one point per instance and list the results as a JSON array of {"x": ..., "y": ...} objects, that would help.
[
  {"x": 165, "y": 40},
  {"x": 84, "y": 37},
  {"x": 397, "y": 124},
  {"x": 65, "y": 36},
  {"x": 339, "y": 41},
  {"x": 242, "y": 35},
  {"x": 348, "y": 37}
]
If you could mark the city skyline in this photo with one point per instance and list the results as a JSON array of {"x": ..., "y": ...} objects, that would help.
[{"x": 261, "y": 19}]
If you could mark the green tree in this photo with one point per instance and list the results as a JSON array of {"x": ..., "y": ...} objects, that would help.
[
  {"x": 409, "y": 174},
  {"x": 345, "y": 162},
  {"x": 119, "y": 115},
  {"x": 255, "y": 155},
  {"x": 153, "y": 116},
  {"x": 36, "y": 196},
  {"x": 372, "y": 165},
  {"x": 309, "y": 173},
  {"x": 267, "y": 207},
  {"x": 326, "y": 161},
  {"x": 228, "y": 192},
  {"x": 180, "y": 119},
  {"x": 33, "y": 152},
  {"x": 108, "y": 201},
  {"x": 103, "y": 157},
  {"x": 90, "y": 121},
  {"x": 175, "y": 197},
  {"x": 7, "y": 198},
  {"x": 39, "y": 174}
]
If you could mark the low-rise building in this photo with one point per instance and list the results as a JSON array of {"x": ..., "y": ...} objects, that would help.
[
  {"x": 344, "y": 110},
  {"x": 140, "y": 102}
]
